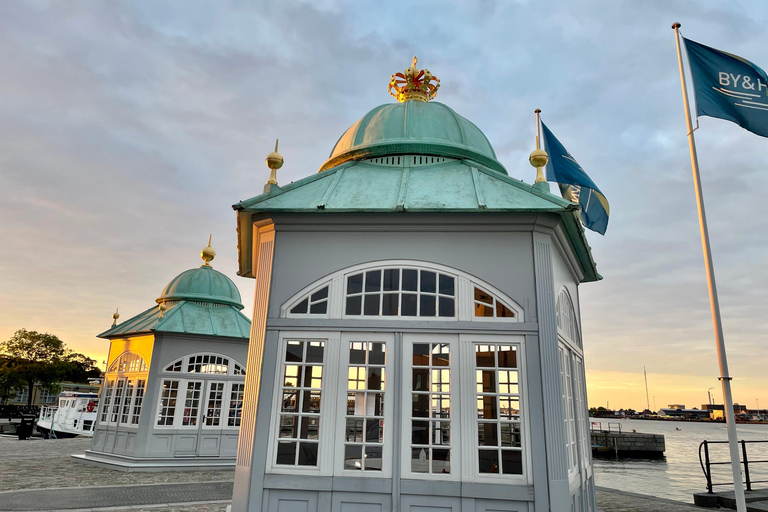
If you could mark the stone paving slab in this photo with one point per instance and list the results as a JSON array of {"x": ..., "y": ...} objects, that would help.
[
  {"x": 121, "y": 497},
  {"x": 611, "y": 500},
  {"x": 38, "y": 463}
]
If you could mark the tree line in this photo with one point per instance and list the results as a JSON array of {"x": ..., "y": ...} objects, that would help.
[{"x": 30, "y": 358}]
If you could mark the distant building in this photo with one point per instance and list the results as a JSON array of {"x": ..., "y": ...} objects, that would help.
[
  {"x": 41, "y": 396},
  {"x": 676, "y": 406},
  {"x": 717, "y": 411},
  {"x": 684, "y": 413},
  {"x": 173, "y": 392}
]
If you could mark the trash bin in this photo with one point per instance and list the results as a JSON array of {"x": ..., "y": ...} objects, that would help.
[{"x": 26, "y": 426}]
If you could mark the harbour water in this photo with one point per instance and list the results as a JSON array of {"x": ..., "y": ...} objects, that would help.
[{"x": 678, "y": 475}]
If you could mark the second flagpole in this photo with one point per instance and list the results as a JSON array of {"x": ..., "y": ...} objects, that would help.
[{"x": 725, "y": 379}]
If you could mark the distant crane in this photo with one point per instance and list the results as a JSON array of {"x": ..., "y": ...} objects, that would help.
[{"x": 709, "y": 395}]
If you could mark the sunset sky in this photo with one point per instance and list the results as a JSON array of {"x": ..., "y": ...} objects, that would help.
[{"x": 128, "y": 129}]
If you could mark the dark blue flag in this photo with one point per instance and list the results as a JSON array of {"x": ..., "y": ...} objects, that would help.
[
  {"x": 728, "y": 87},
  {"x": 574, "y": 182}
]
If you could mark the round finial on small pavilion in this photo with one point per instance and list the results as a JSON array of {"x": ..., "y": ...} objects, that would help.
[
  {"x": 162, "y": 308},
  {"x": 274, "y": 162},
  {"x": 208, "y": 253},
  {"x": 115, "y": 316}
]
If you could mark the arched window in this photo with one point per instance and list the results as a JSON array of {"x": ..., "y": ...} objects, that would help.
[
  {"x": 402, "y": 289},
  {"x": 216, "y": 364},
  {"x": 567, "y": 325},
  {"x": 128, "y": 362}
]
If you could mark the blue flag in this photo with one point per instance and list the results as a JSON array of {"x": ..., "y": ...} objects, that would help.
[
  {"x": 728, "y": 87},
  {"x": 563, "y": 169}
]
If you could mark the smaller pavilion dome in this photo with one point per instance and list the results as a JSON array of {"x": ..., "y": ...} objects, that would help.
[{"x": 203, "y": 284}]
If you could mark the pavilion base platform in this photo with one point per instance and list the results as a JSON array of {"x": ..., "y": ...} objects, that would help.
[
  {"x": 757, "y": 500},
  {"x": 145, "y": 464}
]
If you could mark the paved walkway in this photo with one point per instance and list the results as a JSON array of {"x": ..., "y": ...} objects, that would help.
[{"x": 610, "y": 500}]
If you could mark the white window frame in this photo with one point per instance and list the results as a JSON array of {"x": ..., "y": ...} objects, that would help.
[
  {"x": 184, "y": 361},
  {"x": 114, "y": 366},
  {"x": 46, "y": 397},
  {"x": 390, "y": 429},
  {"x": 178, "y": 413},
  {"x": 328, "y": 405},
  {"x": 457, "y": 451},
  {"x": 463, "y": 288}
]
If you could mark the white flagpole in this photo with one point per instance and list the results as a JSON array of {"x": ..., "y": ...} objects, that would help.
[{"x": 725, "y": 379}]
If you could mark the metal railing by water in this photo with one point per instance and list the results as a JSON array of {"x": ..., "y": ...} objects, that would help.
[
  {"x": 706, "y": 464},
  {"x": 597, "y": 426}
]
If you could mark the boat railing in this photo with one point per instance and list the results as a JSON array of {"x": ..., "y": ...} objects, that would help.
[
  {"x": 47, "y": 412},
  {"x": 707, "y": 463}
]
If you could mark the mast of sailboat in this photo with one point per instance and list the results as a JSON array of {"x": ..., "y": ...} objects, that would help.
[{"x": 647, "y": 400}]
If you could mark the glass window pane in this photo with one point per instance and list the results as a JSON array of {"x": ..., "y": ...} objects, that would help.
[
  {"x": 441, "y": 406},
  {"x": 372, "y": 305},
  {"x": 441, "y": 461},
  {"x": 292, "y": 376},
  {"x": 355, "y": 284},
  {"x": 290, "y": 401},
  {"x": 446, "y": 307},
  {"x": 319, "y": 309},
  {"x": 486, "y": 434},
  {"x": 354, "y": 305},
  {"x": 503, "y": 311},
  {"x": 441, "y": 354},
  {"x": 419, "y": 432},
  {"x": 489, "y": 461},
  {"x": 355, "y": 403},
  {"x": 354, "y": 432},
  {"x": 420, "y": 406},
  {"x": 481, "y": 296},
  {"x": 421, "y": 354},
  {"x": 289, "y": 426},
  {"x": 446, "y": 285},
  {"x": 315, "y": 351},
  {"x": 484, "y": 356},
  {"x": 375, "y": 404},
  {"x": 510, "y": 407},
  {"x": 313, "y": 376},
  {"x": 373, "y": 458},
  {"x": 441, "y": 433},
  {"x": 320, "y": 294},
  {"x": 428, "y": 282},
  {"x": 376, "y": 379},
  {"x": 301, "y": 307},
  {"x": 373, "y": 281},
  {"x": 389, "y": 304},
  {"x": 410, "y": 280},
  {"x": 377, "y": 353},
  {"x": 420, "y": 460},
  {"x": 409, "y": 304},
  {"x": 353, "y": 457},
  {"x": 307, "y": 454},
  {"x": 427, "y": 305},
  {"x": 310, "y": 427},
  {"x": 486, "y": 382},
  {"x": 507, "y": 357},
  {"x": 421, "y": 379},
  {"x": 294, "y": 351},
  {"x": 286, "y": 453},
  {"x": 512, "y": 462},
  {"x": 311, "y": 402},
  {"x": 391, "y": 279},
  {"x": 510, "y": 435},
  {"x": 357, "y": 351},
  {"x": 483, "y": 310},
  {"x": 374, "y": 433},
  {"x": 486, "y": 407}
]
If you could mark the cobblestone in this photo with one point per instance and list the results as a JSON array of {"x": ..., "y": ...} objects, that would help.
[{"x": 39, "y": 463}]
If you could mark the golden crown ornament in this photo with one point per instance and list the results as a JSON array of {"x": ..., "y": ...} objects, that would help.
[{"x": 414, "y": 84}]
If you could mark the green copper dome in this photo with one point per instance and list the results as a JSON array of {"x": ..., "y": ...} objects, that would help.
[
  {"x": 413, "y": 127},
  {"x": 202, "y": 284}
]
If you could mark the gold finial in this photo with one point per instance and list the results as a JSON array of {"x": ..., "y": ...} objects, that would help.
[
  {"x": 414, "y": 84},
  {"x": 539, "y": 157},
  {"x": 162, "y": 307},
  {"x": 208, "y": 253},
  {"x": 274, "y": 162},
  {"x": 115, "y": 316}
]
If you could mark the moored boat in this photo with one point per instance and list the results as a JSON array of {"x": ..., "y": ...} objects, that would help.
[{"x": 75, "y": 415}]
